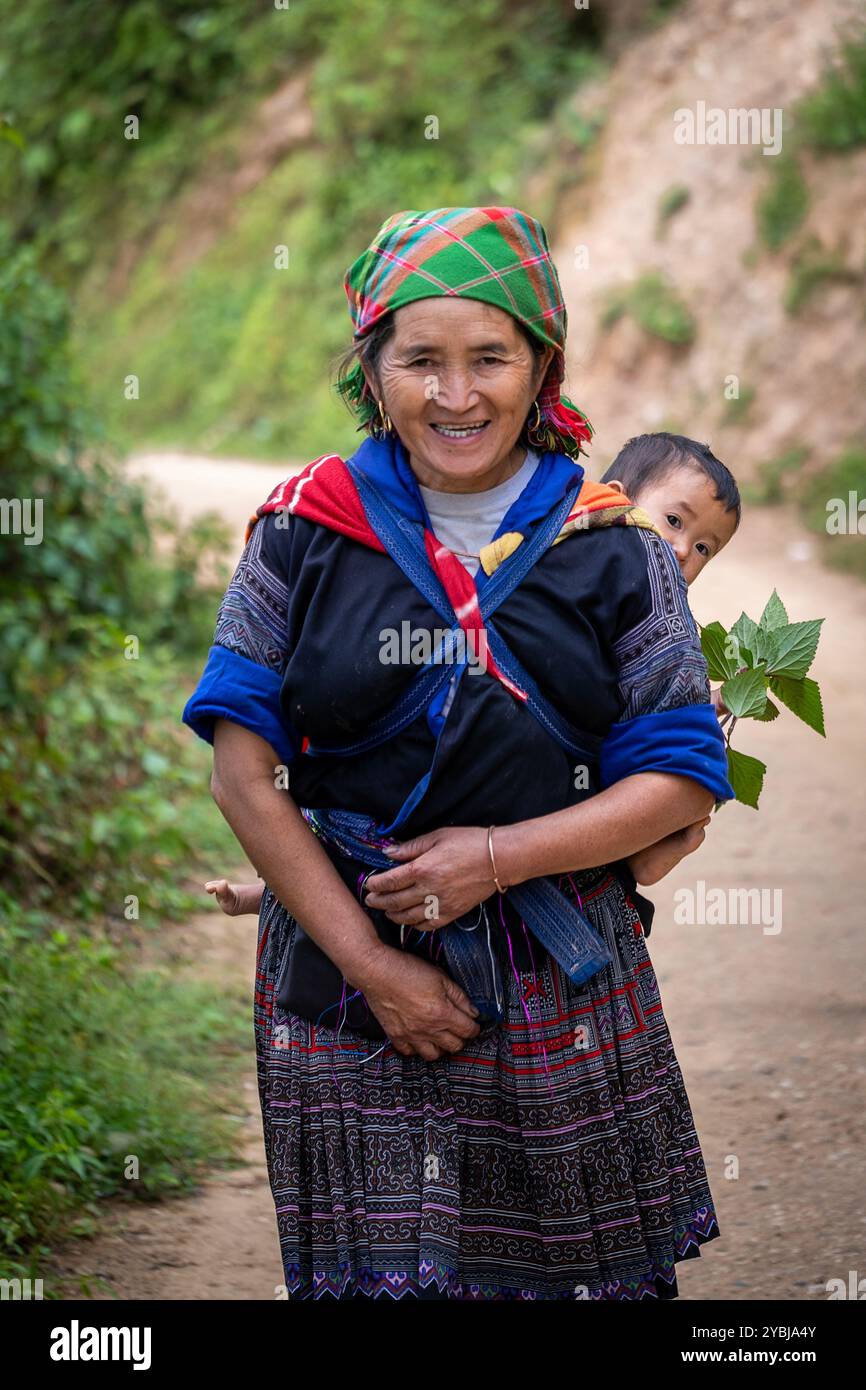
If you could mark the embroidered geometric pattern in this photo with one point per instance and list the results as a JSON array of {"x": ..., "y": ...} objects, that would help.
[
  {"x": 660, "y": 660},
  {"x": 554, "y": 1159},
  {"x": 252, "y": 616}
]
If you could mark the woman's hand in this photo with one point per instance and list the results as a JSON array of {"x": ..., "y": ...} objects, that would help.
[
  {"x": 438, "y": 877},
  {"x": 422, "y": 1010},
  {"x": 652, "y": 863}
]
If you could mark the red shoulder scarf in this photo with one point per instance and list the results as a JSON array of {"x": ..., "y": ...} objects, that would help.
[{"x": 324, "y": 492}]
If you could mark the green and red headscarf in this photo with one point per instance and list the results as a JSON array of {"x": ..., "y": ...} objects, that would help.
[{"x": 497, "y": 255}]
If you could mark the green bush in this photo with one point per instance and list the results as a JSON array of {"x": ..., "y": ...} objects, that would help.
[
  {"x": 830, "y": 118},
  {"x": 104, "y": 811},
  {"x": 737, "y": 408},
  {"x": 658, "y": 12},
  {"x": 773, "y": 477},
  {"x": 113, "y": 802},
  {"x": 655, "y": 305},
  {"x": 783, "y": 204},
  {"x": 833, "y": 117},
  {"x": 75, "y": 83},
  {"x": 91, "y": 725},
  {"x": 234, "y": 355},
  {"x": 98, "y": 1062},
  {"x": 786, "y": 479},
  {"x": 670, "y": 203},
  {"x": 813, "y": 267},
  {"x": 845, "y": 475},
  {"x": 94, "y": 552}
]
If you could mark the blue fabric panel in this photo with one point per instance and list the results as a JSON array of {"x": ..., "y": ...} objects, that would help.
[
  {"x": 686, "y": 741},
  {"x": 233, "y": 687}
]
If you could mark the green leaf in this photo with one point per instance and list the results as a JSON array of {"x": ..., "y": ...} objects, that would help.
[
  {"x": 744, "y": 631},
  {"x": 32, "y": 1166},
  {"x": 791, "y": 649},
  {"x": 8, "y": 132},
  {"x": 153, "y": 763},
  {"x": 770, "y": 711},
  {"x": 745, "y": 695},
  {"x": 714, "y": 641},
  {"x": 803, "y": 697},
  {"x": 100, "y": 827},
  {"x": 746, "y": 776},
  {"x": 774, "y": 614}
]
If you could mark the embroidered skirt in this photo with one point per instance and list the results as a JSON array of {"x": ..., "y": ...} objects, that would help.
[{"x": 555, "y": 1158}]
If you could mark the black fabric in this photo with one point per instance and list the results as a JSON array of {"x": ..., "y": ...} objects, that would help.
[
  {"x": 645, "y": 909},
  {"x": 495, "y": 763}
]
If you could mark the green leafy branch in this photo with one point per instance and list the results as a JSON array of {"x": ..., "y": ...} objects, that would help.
[{"x": 752, "y": 659}]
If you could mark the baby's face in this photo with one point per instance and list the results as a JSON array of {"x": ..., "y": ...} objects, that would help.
[{"x": 683, "y": 506}]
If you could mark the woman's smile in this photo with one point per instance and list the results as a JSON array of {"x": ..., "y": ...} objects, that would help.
[
  {"x": 460, "y": 434},
  {"x": 469, "y": 358}
]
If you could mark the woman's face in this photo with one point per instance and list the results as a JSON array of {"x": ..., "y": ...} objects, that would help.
[{"x": 458, "y": 378}]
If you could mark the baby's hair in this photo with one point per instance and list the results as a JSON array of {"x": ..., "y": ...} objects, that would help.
[{"x": 647, "y": 458}]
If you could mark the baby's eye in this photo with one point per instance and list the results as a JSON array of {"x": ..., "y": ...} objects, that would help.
[
  {"x": 702, "y": 549},
  {"x": 673, "y": 520}
]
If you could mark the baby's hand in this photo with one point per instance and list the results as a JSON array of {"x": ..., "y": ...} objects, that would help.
[
  {"x": 718, "y": 703},
  {"x": 235, "y": 899},
  {"x": 652, "y": 863}
]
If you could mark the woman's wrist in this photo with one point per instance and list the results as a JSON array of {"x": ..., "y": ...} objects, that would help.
[
  {"x": 497, "y": 882},
  {"x": 622, "y": 820},
  {"x": 369, "y": 959},
  {"x": 510, "y": 845}
]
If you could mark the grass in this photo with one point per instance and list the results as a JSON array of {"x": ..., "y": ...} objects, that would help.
[
  {"x": 654, "y": 304},
  {"x": 114, "y": 1082},
  {"x": 101, "y": 1061},
  {"x": 830, "y": 119},
  {"x": 813, "y": 268},
  {"x": 784, "y": 203},
  {"x": 672, "y": 200},
  {"x": 833, "y": 117},
  {"x": 234, "y": 355},
  {"x": 819, "y": 495},
  {"x": 772, "y": 477},
  {"x": 846, "y": 474},
  {"x": 660, "y": 11},
  {"x": 737, "y": 407}
]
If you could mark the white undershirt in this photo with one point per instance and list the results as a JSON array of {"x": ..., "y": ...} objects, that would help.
[{"x": 466, "y": 521}]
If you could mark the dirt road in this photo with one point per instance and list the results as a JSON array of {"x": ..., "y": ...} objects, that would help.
[{"x": 768, "y": 1018}]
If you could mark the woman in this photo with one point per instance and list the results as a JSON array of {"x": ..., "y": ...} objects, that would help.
[{"x": 467, "y": 1083}]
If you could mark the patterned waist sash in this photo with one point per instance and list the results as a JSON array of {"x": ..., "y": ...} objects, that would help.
[{"x": 468, "y": 946}]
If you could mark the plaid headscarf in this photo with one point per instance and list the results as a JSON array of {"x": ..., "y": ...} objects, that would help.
[{"x": 498, "y": 255}]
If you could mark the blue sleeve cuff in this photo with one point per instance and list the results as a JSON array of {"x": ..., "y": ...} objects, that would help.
[
  {"x": 685, "y": 741},
  {"x": 233, "y": 687}
]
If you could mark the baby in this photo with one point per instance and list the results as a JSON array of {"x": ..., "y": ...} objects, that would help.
[{"x": 695, "y": 502}]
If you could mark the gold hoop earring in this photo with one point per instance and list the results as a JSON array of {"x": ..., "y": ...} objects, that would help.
[
  {"x": 534, "y": 430},
  {"x": 382, "y": 427}
]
